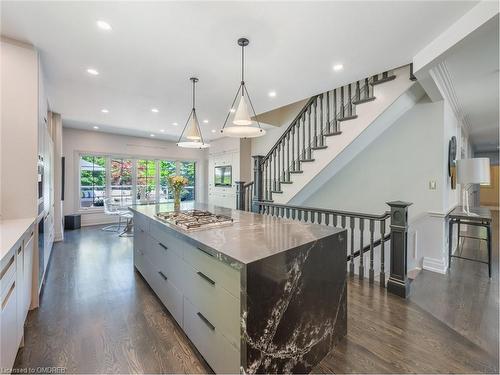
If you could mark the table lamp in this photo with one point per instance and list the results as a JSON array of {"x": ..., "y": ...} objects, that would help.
[{"x": 472, "y": 171}]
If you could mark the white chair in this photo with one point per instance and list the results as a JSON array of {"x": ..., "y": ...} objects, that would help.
[
  {"x": 128, "y": 216},
  {"x": 112, "y": 209}
]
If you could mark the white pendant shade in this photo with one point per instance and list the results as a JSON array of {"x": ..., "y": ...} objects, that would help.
[
  {"x": 242, "y": 117},
  {"x": 193, "y": 144},
  {"x": 192, "y": 131},
  {"x": 243, "y": 131}
]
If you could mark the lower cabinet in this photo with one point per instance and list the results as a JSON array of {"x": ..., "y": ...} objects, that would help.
[
  {"x": 16, "y": 278},
  {"x": 198, "y": 291}
]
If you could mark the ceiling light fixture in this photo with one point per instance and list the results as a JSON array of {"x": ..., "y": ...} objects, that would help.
[
  {"x": 95, "y": 127},
  {"x": 338, "y": 67},
  {"x": 205, "y": 121},
  {"x": 92, "y": 71},
  {"x": 103, "y": 25},
  {"x": 155, "y": 110},
  {"x": 272, "y": 94},
  {"x": 175, "y": 124},
  {"x": 213, "y": 130},
  {"x": 192, "y": 131},
  {"x": 104, "y": 110},
  {"x": 242, "y": 122},
  {"x": 151, "y": 135},
  {"x": 162, "y": 130}
]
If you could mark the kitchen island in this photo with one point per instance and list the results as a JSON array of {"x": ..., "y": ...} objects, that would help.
[{"x": 258, "y": 295}]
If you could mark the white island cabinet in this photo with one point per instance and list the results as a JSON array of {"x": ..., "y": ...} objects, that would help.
[{"x": 16, "y": 285}]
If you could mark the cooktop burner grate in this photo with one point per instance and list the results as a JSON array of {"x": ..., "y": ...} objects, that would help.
[{"x": 194, "y": 219}]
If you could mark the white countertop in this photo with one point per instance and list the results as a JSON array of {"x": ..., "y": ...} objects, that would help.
[{"x": 11, "y": 231}]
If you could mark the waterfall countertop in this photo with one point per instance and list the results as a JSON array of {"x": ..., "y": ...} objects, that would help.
[
  {"x": 11, "y": 231},
  {"x": 250, "y": 238}
]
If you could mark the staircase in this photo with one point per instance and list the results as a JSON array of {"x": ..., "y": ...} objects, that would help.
[{"x": 331, "y": 125}]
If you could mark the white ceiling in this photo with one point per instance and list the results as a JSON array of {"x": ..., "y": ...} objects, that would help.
[
  {"x": 473, "y": 67},
  {"x": 154, "y": 47}
]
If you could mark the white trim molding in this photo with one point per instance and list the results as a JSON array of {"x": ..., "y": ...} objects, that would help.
[{"x": 435, "y": 265}]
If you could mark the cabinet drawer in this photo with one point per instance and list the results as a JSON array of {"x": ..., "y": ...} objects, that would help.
[
  {"x": 224, "y": 275},
  {"x": 218, "y": 352},
  {"x": 141, "y": 221},
  {"x": 165, "y": 289},
  {"x": 214, "y": 302},
  {"x": 160, "y": 233},
  {"x": 8, "y": 322},
  {"x": 166, "y": 260}
]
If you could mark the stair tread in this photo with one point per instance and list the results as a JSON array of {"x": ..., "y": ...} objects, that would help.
[
  {"x": 383, "y": 80},
  {"x": 332, "y": 134},
  {"x": 347, "y": 118},
  {"x": 319, "y": 147},
  {"x": 365, "y": 100}
]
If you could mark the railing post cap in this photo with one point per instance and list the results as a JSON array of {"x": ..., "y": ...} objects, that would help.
[{"x": 399, "y": 204}]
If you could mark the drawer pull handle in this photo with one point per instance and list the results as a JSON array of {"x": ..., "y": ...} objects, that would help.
[
  {"x": 4, "y": 271},
  {"x": 19, "y": 250},
  {"x": 206, "y": 321},
  {"x": 8, "y": 294},
  {"x": 206, "y": 278},
  {"x": 162, "y": 245},
  {"x": 206, "y": 252},
  {"x": 163, "y": 275}
]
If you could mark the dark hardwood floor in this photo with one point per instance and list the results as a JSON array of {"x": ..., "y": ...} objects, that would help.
[
  {"x": 466, "y": 299},
  {"x": 99, "y": 316}
]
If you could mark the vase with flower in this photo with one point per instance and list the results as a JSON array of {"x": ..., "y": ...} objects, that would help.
[{"x": 177, "y": 184}]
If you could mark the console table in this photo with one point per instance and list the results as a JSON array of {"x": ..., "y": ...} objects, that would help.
[{"x": 480, "y": 217}]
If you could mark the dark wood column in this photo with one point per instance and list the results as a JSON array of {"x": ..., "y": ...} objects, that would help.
[{"x": 258, "y": 178}]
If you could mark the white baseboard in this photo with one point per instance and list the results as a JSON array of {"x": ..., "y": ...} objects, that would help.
[{"x": 435, "y": 265}]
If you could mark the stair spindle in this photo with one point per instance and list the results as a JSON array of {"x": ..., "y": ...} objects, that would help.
[
  {"x": 298, "y": 145},
  {"x": 308, "y": 134},
  {"x": 361, "y": 255},
  {"x": 358, "y": 92},
  {"x": 342, "y": 114},
  {"x": 367, "y": 89},
  {"x": 329, "y": 130},
  {"x": 304, "y": 137},
  {"x": 283, "y": 178},
  {"x": 274, "y": 170},
  {"x": 371, "y": 272},
  {"x": 352, "y": 226},
  {"x": 292, "y": 165},
  {"x": 382, "y": 254},
  {"x": 315, "y": 139},
  {"x": 349, "y": 100},
  {"x": 278, "y": 182},
  {"x": 322, "y": 127}
]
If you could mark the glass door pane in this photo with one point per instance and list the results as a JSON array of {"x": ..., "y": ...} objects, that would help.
[
  {"x": 167, "y": 168},
  {"x": 146, "y": 181},
  {"x": 188, "y": 170},
  {"x": 121, "y": 181}
]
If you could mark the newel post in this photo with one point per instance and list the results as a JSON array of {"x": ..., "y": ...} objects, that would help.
[
  {"x": 398, "y": 281},
  {"x": 258, "y": 188},
  {"x": 240, "y": 195}
]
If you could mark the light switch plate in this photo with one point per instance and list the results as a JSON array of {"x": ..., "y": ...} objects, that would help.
[{"x": 432, "y": 185}]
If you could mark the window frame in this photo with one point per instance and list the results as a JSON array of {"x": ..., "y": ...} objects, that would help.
[{"x": 133, "y": 158}]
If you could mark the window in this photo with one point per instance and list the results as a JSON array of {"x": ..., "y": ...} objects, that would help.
[
  {"x": 188, "y": 169},
  {"x": 92, "y": 181},
  {"x": 146, "y": 180},
  {"x": 121, "y": 181},
  {"x": 167, "y": 169}
]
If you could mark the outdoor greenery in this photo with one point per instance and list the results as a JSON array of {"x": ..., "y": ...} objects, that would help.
[{"x": 93, "y": 177}]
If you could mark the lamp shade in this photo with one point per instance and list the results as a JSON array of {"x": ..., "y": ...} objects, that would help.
[
  {"x": 193, "y": 129},
  {"x": 473, "y": 171},
  {"x": 242, "y": 117}
]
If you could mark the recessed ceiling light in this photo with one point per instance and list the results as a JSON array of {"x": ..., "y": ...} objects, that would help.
[
  {"x": 232, "y": 110},
  {"x": 92, "y": 71},
  {"x": 95, "y": 127},
  {"x": 205, "y": 121},
  {"x": 151, "y": 135},
  {"x": 338, "y": 67},
  {"x": 104, "y": 110},
  {"x": 213, "y": 130},
  {"x": 175, "y": 124},
  {"x": 162, "y": 130},
  {"x": 103, "y": 25},
  {"x": 272, "y": 94},
  {"x": 155, "y": 110}
]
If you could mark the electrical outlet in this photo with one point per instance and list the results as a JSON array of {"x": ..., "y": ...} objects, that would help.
[{"x": 432, "y": 185}]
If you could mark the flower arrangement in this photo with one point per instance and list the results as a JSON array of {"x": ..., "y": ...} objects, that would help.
[{"x": 177, "y": 184}]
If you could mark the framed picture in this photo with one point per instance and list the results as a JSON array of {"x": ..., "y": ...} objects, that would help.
[{"x": 223, "y": 176}]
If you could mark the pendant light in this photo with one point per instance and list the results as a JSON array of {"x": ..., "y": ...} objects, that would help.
[
  {"x": 192, "y": 131},
  {"x": 242, "y": 123}
]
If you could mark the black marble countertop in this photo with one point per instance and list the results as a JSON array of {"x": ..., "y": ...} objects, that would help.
[{"x": 251, "y": 237}]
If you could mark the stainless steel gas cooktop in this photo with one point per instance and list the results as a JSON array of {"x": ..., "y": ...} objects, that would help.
[{"x": 192, "y": 220}]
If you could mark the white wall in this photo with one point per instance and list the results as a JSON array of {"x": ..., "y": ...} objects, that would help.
[
  {"x": 399, "y": 165},
  {"x": 78, "y": 141}
]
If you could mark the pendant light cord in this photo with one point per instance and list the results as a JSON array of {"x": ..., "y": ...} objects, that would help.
[
  {"x": 243, "y": 69},
  {"x": 194, "y": 88}
]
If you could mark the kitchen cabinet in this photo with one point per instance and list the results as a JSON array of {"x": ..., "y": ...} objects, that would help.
[{"x": 16, "y": 283}]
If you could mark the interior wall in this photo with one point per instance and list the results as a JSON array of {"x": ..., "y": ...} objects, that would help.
[
  {"x": 76, "y": 141},
  {"x": 403, "y": 164}
]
